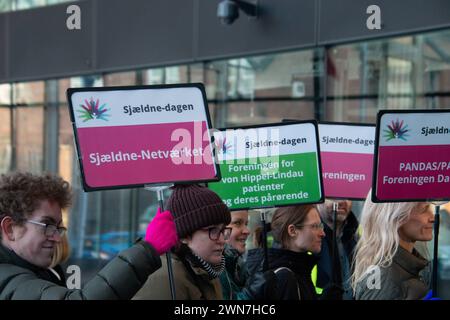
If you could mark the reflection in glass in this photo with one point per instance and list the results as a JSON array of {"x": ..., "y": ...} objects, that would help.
[
  {"x": 5, "y": 140},
  {"x": 5, "y": 94},
  {"x": 30, "y": 138},
  {"x": 28, "y": 93},
  {"x": 8, "y": 5}
]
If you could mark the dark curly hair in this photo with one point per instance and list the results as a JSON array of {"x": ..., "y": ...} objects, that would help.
[{"x": 21, "y": 193}]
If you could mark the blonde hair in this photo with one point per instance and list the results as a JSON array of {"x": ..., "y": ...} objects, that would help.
[
  {"x": 379, "y": 239},
  {"x": 62, "y": 251}
]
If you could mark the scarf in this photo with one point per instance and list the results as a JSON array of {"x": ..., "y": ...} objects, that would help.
[{"x": 213, "y": 271}]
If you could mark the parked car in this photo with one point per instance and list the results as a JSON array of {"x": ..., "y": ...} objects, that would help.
[{"x": 107, "y": 245}]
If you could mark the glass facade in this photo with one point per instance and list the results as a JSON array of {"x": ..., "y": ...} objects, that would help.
[
  {"x": 347, "y": 83},
  {"x": 11, "y": 5}
]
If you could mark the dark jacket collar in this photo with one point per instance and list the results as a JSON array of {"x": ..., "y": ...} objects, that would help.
[
  {"x": 231, "y": 257},
  {"x": 299, "y": 262},
  {"x": 413, "y": 262},
  {"x": 349, "y": 229},
  {"x": 8, "y": 256},
  {"x": 235, "y": 266}
]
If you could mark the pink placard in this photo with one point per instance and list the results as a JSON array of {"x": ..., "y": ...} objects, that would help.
[
  {"x": 346, "y": 151},
  {"x": 144, "y": 154},
  {"x": 413, "y": 172},
  {"x": 346, "y": 175}
]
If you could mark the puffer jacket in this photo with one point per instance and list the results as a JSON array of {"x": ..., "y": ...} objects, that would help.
[
  {"x": 119, "y": 279},
  {"x": 400, "y": 281},
  {"x": 191, "y": 283}
]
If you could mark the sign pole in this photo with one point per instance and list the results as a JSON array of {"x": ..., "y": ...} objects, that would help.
[
  {"x": 434, "y": 282},
  {"x": 264, "y": 241},
  {"x": 334, "y": 243},
  {"x": 159, "y": 192}
]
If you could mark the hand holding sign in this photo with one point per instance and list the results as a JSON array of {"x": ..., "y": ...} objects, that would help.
[{"x": 161, "y": 232}]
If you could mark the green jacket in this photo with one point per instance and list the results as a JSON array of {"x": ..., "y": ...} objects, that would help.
[
  {"x": 186, "y": 287},
  {"x": 400, "y": 281},
  {"x": 119, "y": 279}
]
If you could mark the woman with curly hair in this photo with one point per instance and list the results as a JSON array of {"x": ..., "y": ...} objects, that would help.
[{"x": 31, "y": 230}]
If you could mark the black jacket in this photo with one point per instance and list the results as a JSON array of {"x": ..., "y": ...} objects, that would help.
[
  {"x": 288, "y": 284},
  {"x": 324, "y": 266}
]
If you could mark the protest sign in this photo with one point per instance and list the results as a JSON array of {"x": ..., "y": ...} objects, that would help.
[
  {"x": 346, "y": 152},
  {"x": 412, "y": 156},
  {"x": 135, "y": 136},
  {"x": 269, "y": 165}
]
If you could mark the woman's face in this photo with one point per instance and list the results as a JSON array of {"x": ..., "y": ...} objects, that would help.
[
  {"x": 239, "y": 230},
  {"x": 307, "y": 236},
  {"x": 419, "y": 227},
  {"x": 30, "y": 241},
  {"x": 202, "y": 245}
]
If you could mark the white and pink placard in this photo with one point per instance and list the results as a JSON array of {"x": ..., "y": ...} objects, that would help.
[
  {"x": 347, "y": 159},
  {"x": 412, "y": 158},
  {"x": 135, "y": 136}
]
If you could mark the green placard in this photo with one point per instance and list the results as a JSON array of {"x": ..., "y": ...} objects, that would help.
[{"x": 289, "y": 175}]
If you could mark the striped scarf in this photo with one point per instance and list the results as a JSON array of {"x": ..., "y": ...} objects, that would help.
[{"x": 213, "y": 271}]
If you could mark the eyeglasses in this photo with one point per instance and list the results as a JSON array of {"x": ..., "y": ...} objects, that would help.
[
  {"x": 214, "y": 233},
  {"x": 50, "y": 229},
  {"x": 315, "y": 226}
]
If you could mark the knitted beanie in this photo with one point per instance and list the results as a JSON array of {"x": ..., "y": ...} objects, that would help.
[{"x": 194, "y": 207}]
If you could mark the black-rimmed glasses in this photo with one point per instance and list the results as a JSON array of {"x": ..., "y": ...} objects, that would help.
[
  {"x": 214, "y": 233},
  {"x": 50, "y": 229}
]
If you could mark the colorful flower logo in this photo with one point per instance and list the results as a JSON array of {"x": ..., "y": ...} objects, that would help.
[
  {"x": 223, "y": 147},
  {"x": 396, "y": 130},
  {"x": 91, "y": 110}
]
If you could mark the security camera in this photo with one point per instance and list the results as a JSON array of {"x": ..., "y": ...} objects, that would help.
[{"x": 227, "y": 11}]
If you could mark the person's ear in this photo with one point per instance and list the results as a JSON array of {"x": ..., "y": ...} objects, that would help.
[
  {"x": 291, "y": 230},
  {"x": 6, "y": 225},
  {"x": 185, "y": 240}
]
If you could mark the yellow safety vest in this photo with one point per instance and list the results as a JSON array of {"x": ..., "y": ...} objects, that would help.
[{"x": 314, "y": 280}]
